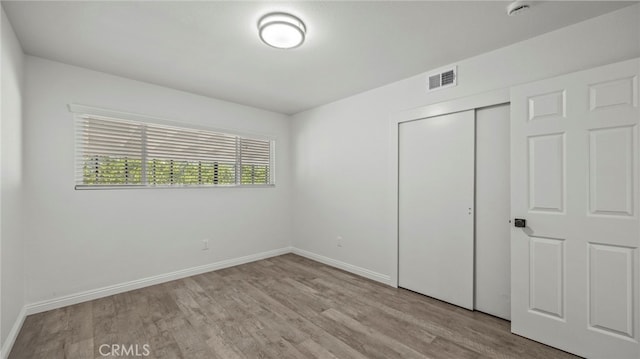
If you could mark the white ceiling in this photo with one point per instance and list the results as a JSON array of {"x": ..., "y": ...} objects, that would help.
[{"x": 212, "y": 48}]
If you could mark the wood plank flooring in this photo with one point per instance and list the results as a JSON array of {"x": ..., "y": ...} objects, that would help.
[{"x": 282, "y": 307}]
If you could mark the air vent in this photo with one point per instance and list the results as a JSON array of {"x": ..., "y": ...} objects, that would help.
[
  {"x": 434, "y": 81},
  {"x": 448, "y": 77},
  {"x": 443, "y": 78}
]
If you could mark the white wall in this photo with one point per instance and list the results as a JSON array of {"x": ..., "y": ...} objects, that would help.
[
  {"x": 83, "y": 240},
  {"x": 11, "y": 239},
  {"x": 341, "y": 150}
]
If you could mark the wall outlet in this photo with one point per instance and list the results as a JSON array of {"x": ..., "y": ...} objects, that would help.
[
  {"x": 339, "y": 241},
  {"x": 205, "y": 244}
]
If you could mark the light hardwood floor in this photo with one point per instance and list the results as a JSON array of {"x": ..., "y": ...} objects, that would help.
[{"x": 282, "y": 307}]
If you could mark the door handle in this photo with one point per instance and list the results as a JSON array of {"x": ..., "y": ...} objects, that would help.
[{"x": 520, "y": 222}]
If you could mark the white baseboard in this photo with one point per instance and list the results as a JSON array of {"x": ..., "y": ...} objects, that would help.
[
  {"x": 92, "y": 294},
  {"x": 378, "y": 277},
  {"x": 13, "y": 334}
]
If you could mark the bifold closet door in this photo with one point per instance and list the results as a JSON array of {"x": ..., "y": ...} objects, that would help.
[{"x": 436, "y": 202}]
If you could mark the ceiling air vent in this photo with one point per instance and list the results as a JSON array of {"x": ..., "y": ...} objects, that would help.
[{"x": 443, "y": 78}]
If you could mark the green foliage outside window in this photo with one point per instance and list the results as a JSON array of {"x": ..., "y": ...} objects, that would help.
[
  {"x": 106, "y": 170},
  {"x": 254, "y": 174},
  {"x": 111, "y": 170}
]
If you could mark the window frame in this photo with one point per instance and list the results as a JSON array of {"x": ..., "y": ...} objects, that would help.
[{"x": 80, "y": 111}]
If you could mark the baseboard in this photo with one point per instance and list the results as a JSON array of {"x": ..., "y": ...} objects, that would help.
[
  {"x": 85, "y": 296},
  {"x": 378, "y": 277},
  {"x": 88, "y": 295},
  {"x": 13, "y": 334}
]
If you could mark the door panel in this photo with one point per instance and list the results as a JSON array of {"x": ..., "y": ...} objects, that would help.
[
  {"x": 574, "y": 172},
  {"x": 611, "y": 289},
  {"x": 546, "y": 268},
  {"x": 620, "y": 92},
  {"x": 611, "y": 171},
  {"x": 493, "y": 202},
  {"x": 547, "y": 106},
  {"x": 546, "y": 173},
  {"x": 436, "y": 184}
]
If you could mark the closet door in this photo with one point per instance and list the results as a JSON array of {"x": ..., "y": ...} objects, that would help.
[
  {"x": 436, "y": 201},
  {"x": 493, "y": 210}
]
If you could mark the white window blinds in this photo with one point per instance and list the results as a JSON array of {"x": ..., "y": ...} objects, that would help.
[
  {"x": 255, "y": 156},
  {"x": 121, "y": 153}
]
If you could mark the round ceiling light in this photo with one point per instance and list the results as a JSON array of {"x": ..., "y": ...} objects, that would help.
[{"x": 281, "y": 30}]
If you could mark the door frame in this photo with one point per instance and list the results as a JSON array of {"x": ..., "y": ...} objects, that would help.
[{"x": 486, "y": 99}]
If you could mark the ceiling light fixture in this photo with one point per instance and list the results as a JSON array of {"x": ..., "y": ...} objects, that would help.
[{"x": 281, "y": 30}]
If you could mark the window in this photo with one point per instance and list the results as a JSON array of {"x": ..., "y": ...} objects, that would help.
[{"x": 113, "y": 152}]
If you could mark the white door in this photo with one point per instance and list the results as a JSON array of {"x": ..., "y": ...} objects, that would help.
[
  {"x": 493, "y": 210},
  {"x": 574, "y": 178},
  {"x": 436, "y": 180}
]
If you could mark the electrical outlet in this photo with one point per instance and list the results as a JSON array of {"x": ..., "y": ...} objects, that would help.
[
  {"x": 339, "y": 241},
  {"x": 205, "y": 244}
]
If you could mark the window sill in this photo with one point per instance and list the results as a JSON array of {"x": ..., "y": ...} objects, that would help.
[{"x": 107, "y": 187}]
